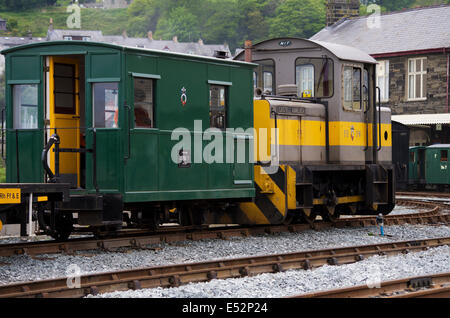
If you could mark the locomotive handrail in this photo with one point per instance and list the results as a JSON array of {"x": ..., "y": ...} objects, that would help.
[
  {"x": 379, "y": 118},
  {"x": 367, "y": 125},
  {"x": 54, "y": 139},
  {"x": 3, "y": 133}
]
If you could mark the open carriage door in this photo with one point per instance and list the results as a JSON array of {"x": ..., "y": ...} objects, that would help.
[{"x": 65, "y": 116}]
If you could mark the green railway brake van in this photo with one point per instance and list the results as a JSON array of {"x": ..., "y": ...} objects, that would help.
[{"x": 114, "y": 109}]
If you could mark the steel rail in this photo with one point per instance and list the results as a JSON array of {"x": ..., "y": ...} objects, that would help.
[
  {"x": 432, "y": 216},
  {"x": 176, "y": 275},
  {"x": 436, "y": 285}
]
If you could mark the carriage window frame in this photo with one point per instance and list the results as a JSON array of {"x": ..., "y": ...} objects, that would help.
[
  {"x": 116, "y": 108},
  {"x": 214, "y": 111},
  {"x": 444, "y": 155},
  {"x": 349, "y": 91},
  {"x": 17, "y": 108}
]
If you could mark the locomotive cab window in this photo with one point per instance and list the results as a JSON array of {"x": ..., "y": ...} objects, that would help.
[
  {"x": 217, "y": 106},
  {"x": 143, "y": 103},
  {"x": 106, "y": 105},
  {"x": 25, "y": 99},
  {"x": 352, "y": 88},
  {"x": 314, "y": 77},
  {"x": 264, "y": 76}
]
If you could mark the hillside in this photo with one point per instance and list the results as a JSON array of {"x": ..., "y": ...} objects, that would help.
[{"x": 111, "y": 22}]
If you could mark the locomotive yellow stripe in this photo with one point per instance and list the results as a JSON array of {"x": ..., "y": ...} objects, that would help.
[{"x": 341, "y": 133}]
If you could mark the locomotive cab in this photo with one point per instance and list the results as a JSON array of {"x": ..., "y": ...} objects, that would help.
[{"x": 332, "y": 132}]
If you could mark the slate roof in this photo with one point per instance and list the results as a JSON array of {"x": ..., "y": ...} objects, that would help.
[
  {"x": 408, "y": 30},
  {"x": 171, "y": 46}
]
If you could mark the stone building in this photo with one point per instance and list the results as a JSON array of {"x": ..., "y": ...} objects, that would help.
[
  {"x": 412, "y": 48},
  {"x": 340, "y": 9}
]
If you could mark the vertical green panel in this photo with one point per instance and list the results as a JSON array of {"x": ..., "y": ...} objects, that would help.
[
  {"x": 105, "y": 65},
  {"x": 27, "y": 154},
  {"x": 108, "y": 163},
  {"x": 25, "y": 67},
  {"x": 141, "y": 169}
]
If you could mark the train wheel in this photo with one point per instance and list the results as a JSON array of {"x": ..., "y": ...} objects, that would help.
[
  {"x": 328, "y": 217},
  {"x": 63, "y": 227}
]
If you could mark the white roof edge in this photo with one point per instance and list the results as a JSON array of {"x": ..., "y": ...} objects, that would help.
[
  {"x": 345, "y": 52},
  {"x": 422, "y": 119}
]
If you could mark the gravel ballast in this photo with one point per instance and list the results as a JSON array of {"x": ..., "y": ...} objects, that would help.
[
  {"x": 371, "y": 272},
  {"x": 26, "y": 268}
]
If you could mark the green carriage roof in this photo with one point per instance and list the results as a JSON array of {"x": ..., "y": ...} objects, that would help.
[{"x": 123, "y": 48}]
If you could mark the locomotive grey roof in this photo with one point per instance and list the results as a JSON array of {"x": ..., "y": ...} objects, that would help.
[
  {"x": 342, "y": 52},
  {"x": 409, "y": 30}
]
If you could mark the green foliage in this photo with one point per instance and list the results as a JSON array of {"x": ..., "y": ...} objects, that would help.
[{"x": 298, "y": 18}]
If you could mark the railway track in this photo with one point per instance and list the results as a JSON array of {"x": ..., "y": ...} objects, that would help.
[
  {"x": 176, "y": 275},
  {"x": 434, "y": 286},
  {"x": 431, "y": 215}
]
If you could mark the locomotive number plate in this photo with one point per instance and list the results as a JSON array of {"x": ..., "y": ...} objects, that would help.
[{"x": 9, "y": 195}]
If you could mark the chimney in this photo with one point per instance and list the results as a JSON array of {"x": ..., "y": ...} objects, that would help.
[
  {"x": 50, "y": 27},
  {"x": 248, "y": 50},
  {"x": 200, "y": 41},
  {"x": 175, "y": 39},
  {"x": 124, "y": 34},
  {"x": 150, "y": 35},
  {"x": 30, "y": 34},
  {"x": 340, "y": 9}
]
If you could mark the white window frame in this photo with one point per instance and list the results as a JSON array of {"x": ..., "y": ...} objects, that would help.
[
  {"x": 413, "y": 73},
  {"x": 383, "y": 80}
]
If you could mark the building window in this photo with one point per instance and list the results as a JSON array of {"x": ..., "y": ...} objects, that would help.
[
  {"x": 268, "y": 82},
  {"x": 25, "y": 106},
  {"x": 106, "y": 105},
  {"x": 143, "y": 103},
  {"x": 217, "y": 106},
  {"x": 352, "y": 88},
  {"x": 383, "y": 80},
  {"x": 417, "y": 77}
]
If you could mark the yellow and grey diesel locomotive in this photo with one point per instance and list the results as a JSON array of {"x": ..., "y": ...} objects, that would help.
[
  {"x": 334, "y": 145},
  {"x": 95, "y": 136}
]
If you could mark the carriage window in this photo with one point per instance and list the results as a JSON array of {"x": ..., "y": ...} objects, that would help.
[
  {"x": 143, "y": 103},
  {"x": 106, "y": 105},
  {"x": 25, "y": 106},
  {"x": 444, "y": 155},
  {"x": 412, "y": 157},
  {"x": 264, "y": 76},
  {"x": 314, "y": 77},
  {"x": 217, "y": 106},
  {"x": 255, "y": 79},
  {"x": 352, "y": 88}
]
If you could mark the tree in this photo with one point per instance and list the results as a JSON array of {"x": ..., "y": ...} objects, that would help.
[
  {"x": 181, "y": 23},
  {"x": 298, "y": 18}
]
